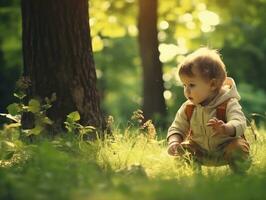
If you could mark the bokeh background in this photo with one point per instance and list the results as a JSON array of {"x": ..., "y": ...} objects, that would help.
[{"x": 237, "y": 28}]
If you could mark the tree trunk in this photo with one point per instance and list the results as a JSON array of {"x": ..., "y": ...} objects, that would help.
[
  {"x": 58, "y": 57},
  {"x": 154, "y": 102}
]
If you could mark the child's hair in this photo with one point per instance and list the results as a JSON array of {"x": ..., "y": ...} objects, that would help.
[{"x": 207, "y": 63}]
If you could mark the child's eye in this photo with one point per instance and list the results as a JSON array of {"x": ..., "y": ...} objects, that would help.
[{"x": 191, "y": 85}]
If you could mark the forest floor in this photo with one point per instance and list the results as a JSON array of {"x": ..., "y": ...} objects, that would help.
[{"x": 127, "y": 165}]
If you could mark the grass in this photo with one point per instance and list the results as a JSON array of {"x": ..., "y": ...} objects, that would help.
[{"x": 125, "y": 166}]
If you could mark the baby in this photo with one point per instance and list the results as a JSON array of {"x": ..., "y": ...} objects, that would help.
[{"x": 210, "y": 125}]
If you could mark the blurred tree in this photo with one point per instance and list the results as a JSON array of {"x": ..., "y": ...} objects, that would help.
[
  {"x": 244, "y": 46},
  {"x": 10, "y": 50},
  {"x": 58, "y": 57},
  {"x": 153, "y": 101}
]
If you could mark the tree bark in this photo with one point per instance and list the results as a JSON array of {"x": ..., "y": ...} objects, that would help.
[
  {"x": 154, "y": 102},
  {"x": 58, "y": 57}
]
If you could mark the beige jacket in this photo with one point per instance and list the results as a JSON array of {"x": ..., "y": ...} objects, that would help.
[{"x": 203, "y": 134}]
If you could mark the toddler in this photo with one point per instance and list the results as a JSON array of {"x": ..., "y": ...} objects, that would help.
[{"x": 210, "y": 125}]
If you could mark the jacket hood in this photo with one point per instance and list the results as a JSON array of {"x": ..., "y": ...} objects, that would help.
[{"x": 227, "y": 91}]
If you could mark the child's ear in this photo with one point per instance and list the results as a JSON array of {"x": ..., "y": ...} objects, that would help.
[{"x": 214, "y": 84}]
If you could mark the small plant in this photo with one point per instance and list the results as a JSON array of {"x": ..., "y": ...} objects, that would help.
[
  {"x": 109, "y": 123},
  {"x": 146, "y": 127},
  {"x": 31, "y": 118},
  {"x": 149, "y": 129},
  {"x": 73, "y": 126},
  {"x": 28, "y": 114},
  {"x": 137, "y": 117},
  {"x": 25, "y": 120}
]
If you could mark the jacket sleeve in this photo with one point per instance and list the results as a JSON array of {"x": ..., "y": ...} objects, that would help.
[
  {"x": 180, "y": 124},
  {"x": 236, "y": 117}
]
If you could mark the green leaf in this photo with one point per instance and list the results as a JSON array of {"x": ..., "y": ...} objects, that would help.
[
  {"x": 34, "y": 106},
  {"x": 46, "y": 106},
  {"x": 35, "y": 131},
  {"x": 14, "y": 118},
  {"x": 20, "y": 95},
  {"x": 91, "y": 128},
  {"x": 73, "y": 117},
  {"x": 13, "y": 109},
  {"x": 47, "y": 120}
]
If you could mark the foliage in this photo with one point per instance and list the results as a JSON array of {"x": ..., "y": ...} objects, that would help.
[
  {"x": 9, "y": 143},
  {"x": 34, "y": 110},
  {"x": 73, "y": 126},
  {"x": 28, "y": 121},
  {"x": 244, "y": 48},
  {"x": 10, "y": 49},
  {"x": 13, "y": 135},
  {"x": 252, "y": 99},
  {"x": 237, "y": 28},
  {"x": 183, "y": 26}
]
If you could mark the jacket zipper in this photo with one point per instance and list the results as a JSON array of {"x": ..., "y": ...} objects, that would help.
[{"x": 203, "y": 126}]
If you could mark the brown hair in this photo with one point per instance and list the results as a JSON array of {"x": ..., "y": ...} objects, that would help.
[{"x": 207, "y": 63}]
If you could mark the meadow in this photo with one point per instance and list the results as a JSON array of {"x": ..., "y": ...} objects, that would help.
[{"x": 132, "y": 163}]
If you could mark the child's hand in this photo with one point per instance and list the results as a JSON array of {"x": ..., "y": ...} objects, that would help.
[
  {"x": 175, "y": 149},
  {"x": 218, "y": 126}
]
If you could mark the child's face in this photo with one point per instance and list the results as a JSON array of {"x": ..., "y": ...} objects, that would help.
[{"x": 197, "y": 90}]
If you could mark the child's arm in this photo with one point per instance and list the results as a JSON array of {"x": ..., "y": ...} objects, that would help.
[
  {"x": 236, "y": 121},
  {"x": 174, "y": 142},
  {"x": 177, "y": 131},
  {"x": 235, "y": 117}
]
